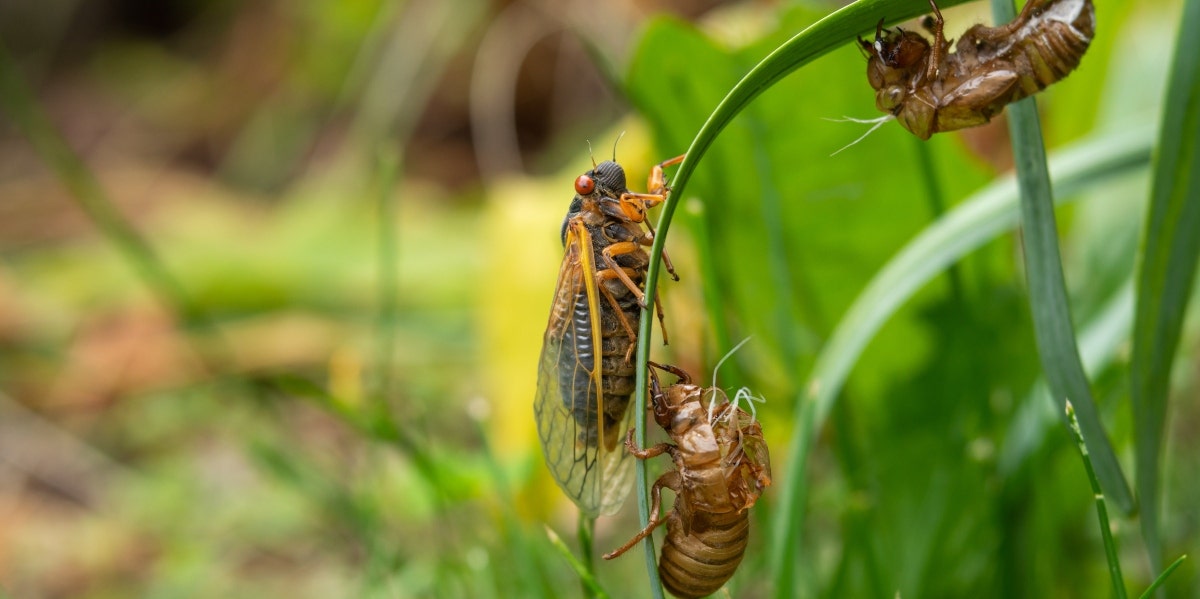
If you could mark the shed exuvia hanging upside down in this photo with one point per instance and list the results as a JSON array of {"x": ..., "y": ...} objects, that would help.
[{"x": 930, "y": 90}]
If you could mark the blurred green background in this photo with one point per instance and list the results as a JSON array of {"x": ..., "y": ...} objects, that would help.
[{"x": 359, "y": 204}]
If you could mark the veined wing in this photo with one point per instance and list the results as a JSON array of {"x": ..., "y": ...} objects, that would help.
[{"x": 570, "y": 398}]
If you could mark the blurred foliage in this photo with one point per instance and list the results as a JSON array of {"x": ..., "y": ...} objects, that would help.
[{"x": 243, "y": 147}]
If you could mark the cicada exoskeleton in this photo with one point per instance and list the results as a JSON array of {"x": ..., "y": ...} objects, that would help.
[
  {"x": 721, "y": 468},
  {"x": 929, "y": 89},
  {"x": 586, "y": 373}
]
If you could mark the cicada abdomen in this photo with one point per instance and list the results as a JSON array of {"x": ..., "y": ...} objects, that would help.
[
  {"x": 586, "y": 374},
  {"x": 721, "y": 468},
  {"x": 930, "y": 90}
]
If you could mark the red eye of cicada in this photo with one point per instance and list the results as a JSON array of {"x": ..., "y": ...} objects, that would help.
[{"x": 584, "y": 185}]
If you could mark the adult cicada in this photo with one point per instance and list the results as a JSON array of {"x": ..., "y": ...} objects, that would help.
[
  {"x": 586, "y": 372},
  {"x": 721, "y": 468},
  {"x": 929, "y": 89}
]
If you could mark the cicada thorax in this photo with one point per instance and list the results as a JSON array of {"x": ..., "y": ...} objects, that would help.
[{"x": 930, "y": 89}]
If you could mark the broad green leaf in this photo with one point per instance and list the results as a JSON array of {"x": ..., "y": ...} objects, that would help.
[
  {"x": 1170, "y": 247},
  {"x": 976, "y": 220}
]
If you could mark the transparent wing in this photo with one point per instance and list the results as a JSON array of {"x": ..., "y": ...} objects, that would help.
[
  {"x": 570, "y": 397},
  {"x": 755, "y": 448}
]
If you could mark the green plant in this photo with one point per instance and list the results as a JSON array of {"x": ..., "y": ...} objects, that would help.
[{"x": 744, "y": 177}]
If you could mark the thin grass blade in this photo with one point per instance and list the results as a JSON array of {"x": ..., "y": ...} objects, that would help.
[
  {"x": 1110, "y": 546},
  {"x": 1162, "y": 578},
  {"x": 585, "y": 576}
]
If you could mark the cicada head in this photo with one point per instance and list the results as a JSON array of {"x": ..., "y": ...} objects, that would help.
[
  {"x": 609, "y": 178},
  {"x": 901, "y": 49},
  {"x": 894, "y": 57},
  {"x": 896, "y": 63},
  {"x": 597, "y": 190}
]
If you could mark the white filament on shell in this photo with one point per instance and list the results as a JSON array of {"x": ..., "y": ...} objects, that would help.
[
  {"x": 712, "y": 401},
  {"x": 849, "y": 119}
]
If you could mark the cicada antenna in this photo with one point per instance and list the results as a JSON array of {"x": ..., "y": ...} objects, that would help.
[
  {"x": 590, "y": 155},
  {"x": 615, "y": 142},
  {"x": 712, "y": 401}
]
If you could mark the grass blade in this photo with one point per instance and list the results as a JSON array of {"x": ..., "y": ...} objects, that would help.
[
  {"x": 1170, "y": 246},
  {"x": 1099, "y": 343},
  {"x": 968, "y": 226},
  {"x": 585, "y": 576},
  {"x": 1162, "y": 578},
  {"x": 1053, "y": 328},
  {"x": 1110, "y": 547}
]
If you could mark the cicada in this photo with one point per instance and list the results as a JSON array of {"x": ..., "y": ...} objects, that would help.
[
  {"x": 721, "y": 468},
  {"x": 586, "y": 373},
  {"x": 930, "y": 90}
]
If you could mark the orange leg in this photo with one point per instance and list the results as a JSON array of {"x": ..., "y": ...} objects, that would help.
[
  {"x": 623, "y": 274},
  {"x": 656, "y": 183},
  {"x": 634, "y": 205},
  {"x": 626, "y": 247},
  {"x": 609, "y": 256},
  {"x": 601, "y": 277},
  {"x": 666, "y": 259}
]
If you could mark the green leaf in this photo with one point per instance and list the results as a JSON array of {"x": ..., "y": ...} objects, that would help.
[
  {"x": 1047, "y": 289},
  {"x": 976, "y": 220},
  {"x": 1099, "y": 341},
  {"x": 683, "y": 103},
  {"x": 1170, "y": 246},
  {"x": 735, "y": 179}
]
